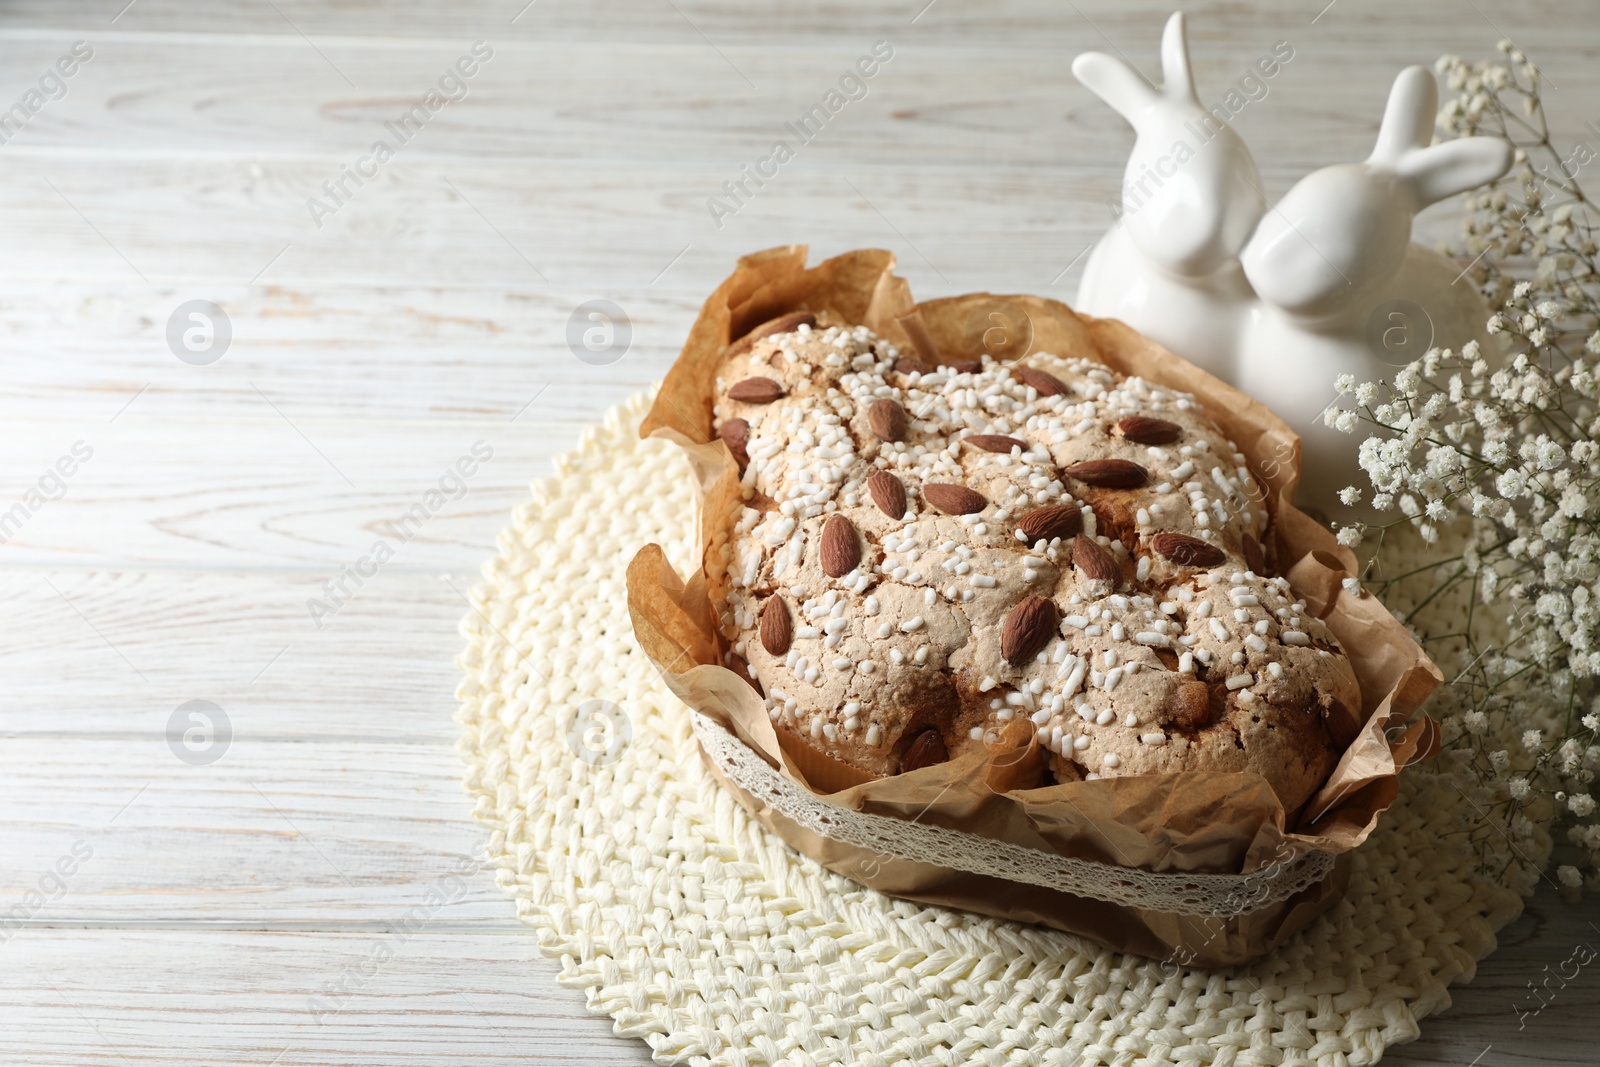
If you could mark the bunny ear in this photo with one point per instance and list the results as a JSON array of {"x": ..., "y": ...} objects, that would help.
[
  {"x": 1112, "y": 80},
  {"x": 1455, "y": 166},
  {"x": 1408, "y": 119},
  {"x": 1177, "y": 81},
  {"x": 1444, "y": 169}
]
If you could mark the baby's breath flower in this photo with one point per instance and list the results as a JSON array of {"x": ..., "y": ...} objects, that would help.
[
  {"x": 1497, "y": 447},
  {"x": 1512, "y": 484},
  {"x": 1574, "y": 502}
]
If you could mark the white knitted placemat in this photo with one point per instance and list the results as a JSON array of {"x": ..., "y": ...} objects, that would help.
[{"x": 707, "y": 937}]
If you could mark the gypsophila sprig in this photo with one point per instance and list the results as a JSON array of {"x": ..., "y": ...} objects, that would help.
[{"x": 1500, "y": 450}]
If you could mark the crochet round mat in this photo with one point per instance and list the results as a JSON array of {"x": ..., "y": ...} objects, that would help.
[{"x": 697, "y": 931}]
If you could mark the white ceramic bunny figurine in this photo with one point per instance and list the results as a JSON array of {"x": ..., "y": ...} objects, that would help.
[
  {"x": 1280, "y": 302},
  {"x": 1344, "y": 291},
  {"x": 1191, "y": 198}
]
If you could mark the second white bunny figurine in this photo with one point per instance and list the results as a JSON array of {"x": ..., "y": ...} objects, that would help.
[
  {"x": 1332, "y": 283},
  {"x": 1344, "y": 291}
]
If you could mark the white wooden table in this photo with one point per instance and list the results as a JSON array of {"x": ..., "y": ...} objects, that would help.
[{"x": 236, "y": 901}]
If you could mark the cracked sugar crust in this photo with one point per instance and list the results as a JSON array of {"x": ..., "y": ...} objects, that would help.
[{"x": 911, "y": 638}]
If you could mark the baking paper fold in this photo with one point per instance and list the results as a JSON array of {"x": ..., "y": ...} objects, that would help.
[{"x": 1198, "y": 821}]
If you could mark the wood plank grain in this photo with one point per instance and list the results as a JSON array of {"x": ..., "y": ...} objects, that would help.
[
  {"x": 216, "y": 230},
  {"x": 316, "y": 832},
  {"x": 277, "y": 490},
  {"x": 303, "y": 999},
  {"x": 389, "y": 355},
  {"x": 113, "y": 653},
  {"x": 617, "y": 102},
  {"x": 212, "y": 228},
  {"x": 1014, "y": 25}
]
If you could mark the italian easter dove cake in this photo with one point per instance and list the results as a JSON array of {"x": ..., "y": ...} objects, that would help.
[{"x": 928, "y": 555}]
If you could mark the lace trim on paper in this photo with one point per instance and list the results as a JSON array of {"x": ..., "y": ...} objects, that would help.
[{"x": 1208, "y": 895}]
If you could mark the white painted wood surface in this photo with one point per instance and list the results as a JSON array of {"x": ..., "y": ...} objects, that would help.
[{"x": 218, "y": 902}]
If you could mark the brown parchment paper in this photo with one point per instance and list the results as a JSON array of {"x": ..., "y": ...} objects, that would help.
[{"x": 1190, "y": 821}]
